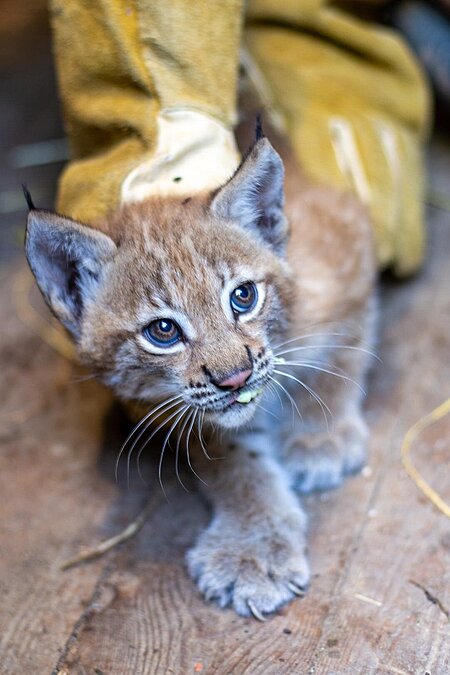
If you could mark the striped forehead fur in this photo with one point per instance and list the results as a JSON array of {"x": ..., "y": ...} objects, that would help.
[{"x": 176, "y": 258}]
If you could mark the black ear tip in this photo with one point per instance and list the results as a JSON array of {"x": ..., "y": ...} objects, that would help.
[
  {"x": 259, "y": 133},
  {"x": 28, "y": 197}
]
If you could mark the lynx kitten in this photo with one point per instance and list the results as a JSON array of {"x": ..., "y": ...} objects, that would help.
[{"x": 223, "y": 309}]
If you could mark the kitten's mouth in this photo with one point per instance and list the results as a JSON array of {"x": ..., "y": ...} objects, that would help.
[
  {"x": 242, "y": 399},
  {"x": 234, "y": 408}
]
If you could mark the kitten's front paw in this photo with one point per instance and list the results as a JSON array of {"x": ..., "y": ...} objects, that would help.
[
  {"x": 256, "y": 571},
  {"x": 322, "y": 461}
]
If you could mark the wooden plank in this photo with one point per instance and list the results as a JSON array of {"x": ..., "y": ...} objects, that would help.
[{"x": 52, "y": 496}]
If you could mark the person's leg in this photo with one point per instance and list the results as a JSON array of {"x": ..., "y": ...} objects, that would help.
[
  {"x": 149, "y": 97},
  {"x": 355, "y": 107}
]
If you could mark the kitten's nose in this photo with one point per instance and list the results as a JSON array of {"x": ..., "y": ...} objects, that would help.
[{"x": 236, "y": 380}]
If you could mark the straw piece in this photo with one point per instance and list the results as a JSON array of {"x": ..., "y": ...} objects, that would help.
[
  {"x": 426, "y": 421},
  {"x": 130, "y": 531}
]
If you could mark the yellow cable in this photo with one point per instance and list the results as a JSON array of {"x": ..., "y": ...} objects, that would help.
[{"x": 432, "y": 417}]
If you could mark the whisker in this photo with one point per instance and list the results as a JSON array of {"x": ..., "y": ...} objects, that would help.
[
  {"x": 275, "y": 391},
  {"x": 351, "y": 347},
  {"x": 137, "y": 426},
  {"x": 187, "y": 448},
  {"x": 326, "y": 364},
  {"x": 312, "y": 366},
  {"x": 177, "y": 452},
  {"x": 149, "y": 420},
  {"x": 269, "y": 412},
  {"x": 310, "y": 335},
  {"x": 312, "y": 393},
  {"x": 161, "y": 458},
  {"x": 200, "y": 421},
  {"x": 293, "y": 403},
  {"x": 146, "y": 442},
  {"x": 150, "y": 413},
  {"x": 82, "y": 378}
]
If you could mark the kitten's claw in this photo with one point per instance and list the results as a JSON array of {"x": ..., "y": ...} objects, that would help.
[
  {"x": 256, "y": 575},
  {"x": 256, "y": 613},
  {"x": 298, "y": 590}
]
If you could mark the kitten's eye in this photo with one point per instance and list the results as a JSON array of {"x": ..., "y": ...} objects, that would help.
[
  {"x": 162, "y": 332},
  {"x": 244, "y": 298}
]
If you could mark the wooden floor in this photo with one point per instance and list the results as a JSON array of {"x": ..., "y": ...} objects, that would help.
[{"x": 380, "y": 595}]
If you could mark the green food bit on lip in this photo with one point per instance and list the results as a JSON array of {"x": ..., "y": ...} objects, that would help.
[
  {"x": 248, "y": 396},
  {"x": 279, "y": 360}
]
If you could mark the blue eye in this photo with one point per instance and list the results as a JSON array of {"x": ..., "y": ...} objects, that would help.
[
  {"x": 162, "y": 332},
  {"x": 244, "y": 298}
]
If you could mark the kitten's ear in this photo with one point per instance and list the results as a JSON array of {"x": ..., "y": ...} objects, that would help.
[
  {"x": 254, "y": 196},
  {"x": 66, "y": 259}
]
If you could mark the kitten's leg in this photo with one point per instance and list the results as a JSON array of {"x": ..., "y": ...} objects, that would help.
[
  {"x": 317, "y": 457},
  {"x": 252, "y": 555}
]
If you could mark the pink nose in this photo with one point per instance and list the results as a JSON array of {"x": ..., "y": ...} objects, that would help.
[{"x": 235, "y": 381}]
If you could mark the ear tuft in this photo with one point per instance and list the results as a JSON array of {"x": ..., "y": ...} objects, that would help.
[
  {"x": 254, "y": 197},
  {"x": 67, "y": 260},
  {"x": 28, "y": 198},
  {"x": 259, "y": 132}
]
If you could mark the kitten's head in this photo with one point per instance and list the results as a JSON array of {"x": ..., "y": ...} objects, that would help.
[{"x": 176, "y": 297}]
